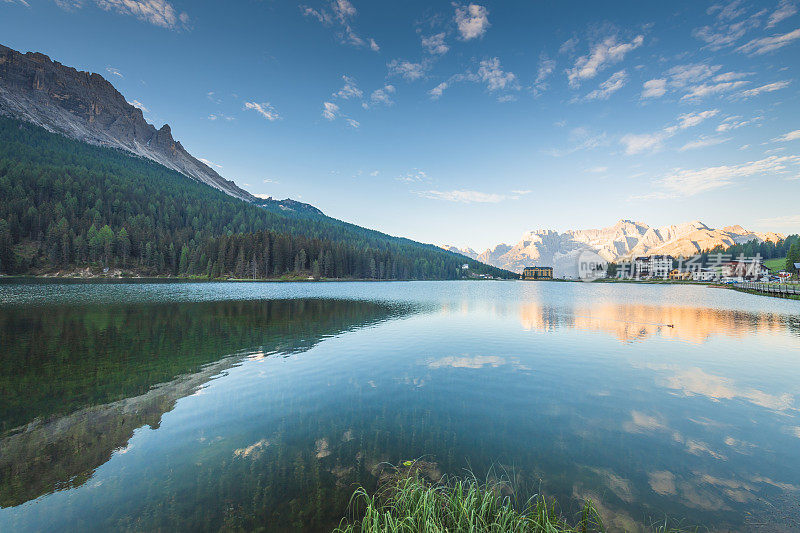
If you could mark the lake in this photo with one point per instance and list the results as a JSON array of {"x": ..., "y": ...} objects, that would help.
[{"x": 200, "y": 406}]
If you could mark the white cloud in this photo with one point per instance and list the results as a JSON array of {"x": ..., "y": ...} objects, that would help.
[
  {"x": 264, "y": 109},
  {"x": 115, "y": 72},
  {"x": 434, "y": 44},
  {"x": 706, "y": 89},
  {"x": 688, "y": 120},
  {"x": 546, "y": 68},
  {"x": 568, "y": 46},
  {"x": 786, "y": 9},
  {"x": 758, "y": 47},
  {"x": 729, "y": 26},
  {"x": 683, "y": 75},
  {"x": 341, "y": 15},
  {"x": 138, "y": 105},
  {"x": 348, "y": 90},
  {"x": 643, "y": 142},
  {"x": 472, "y": 21},
  {"x": 597, "y": 170},
  {"x": 495, "y": 77},
  {"x": 157, "y": 12},
  {"x": 703, "y": 142},
  {"x": 464, "y": 196},
  {"x": 330, "y": 110},
  {"x": 581, "y": 139},
  {"x": 415, "y": 176},
  {"x": 730, "y": 76},
  {"x": 768, "y": 88},
  {"x": 654, "y": 88},
  {"x": 610, "y": 86},
  {"x": 353, "y": 123},
  {"x": 209, "y": 163},
  {"x": 652, "y": 142},
  {"x": 786, "y": 221},
  {"x": 382, "y": 96},
  {"x": 408, "y": 70},
  {"x": 22, "y": 2},
  {"x": 601, "y": 55},
  {"x": 791, "y": 136},
  {"x": 682, "y": 183},
  {"x": 437, "y": 91},
  {"x": 734, "y": 123}
]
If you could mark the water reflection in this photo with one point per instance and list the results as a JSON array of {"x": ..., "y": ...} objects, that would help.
[
  {"x": 635, "y": 322},
  {"x": 78, "y": 381},
  {"x": 188, "y": 415}
]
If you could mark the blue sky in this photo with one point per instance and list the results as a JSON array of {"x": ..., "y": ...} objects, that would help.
[{"x": 463, "y": 123}]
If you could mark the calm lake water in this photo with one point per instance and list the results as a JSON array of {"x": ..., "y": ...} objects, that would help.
[{"x": 200, "y": 406}]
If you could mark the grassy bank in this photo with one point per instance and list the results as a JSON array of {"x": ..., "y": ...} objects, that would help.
[{"x": 407, "y": 502}]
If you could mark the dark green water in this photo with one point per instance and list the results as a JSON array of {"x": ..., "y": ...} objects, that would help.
[{"x": 208, "y": 406}]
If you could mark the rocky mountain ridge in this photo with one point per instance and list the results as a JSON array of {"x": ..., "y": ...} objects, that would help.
[
  {"x": 87, "y": 107},
  {"x": 622, "y": 241}
]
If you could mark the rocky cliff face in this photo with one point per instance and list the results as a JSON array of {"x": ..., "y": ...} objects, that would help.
[
  {"x": 86, "y": 107},
  {"x": 622, "y": 241}
]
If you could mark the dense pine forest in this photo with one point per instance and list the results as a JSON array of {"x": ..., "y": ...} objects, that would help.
[{"x": 67, "y": 205}]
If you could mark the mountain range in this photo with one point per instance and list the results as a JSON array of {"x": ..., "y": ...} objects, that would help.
[
  {"x": 89, "y": 187},
  {"x": 87, "y": 107},
  {"x": 622, "y": 241}
]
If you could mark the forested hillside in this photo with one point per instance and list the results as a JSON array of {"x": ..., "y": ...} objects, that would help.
[{"x": 66, "y": 205}]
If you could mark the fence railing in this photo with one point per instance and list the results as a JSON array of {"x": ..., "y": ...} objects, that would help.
[{"x": 771, "y": 288}]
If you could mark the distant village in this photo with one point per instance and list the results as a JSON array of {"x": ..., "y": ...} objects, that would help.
[{"x": 717, "y": 268}]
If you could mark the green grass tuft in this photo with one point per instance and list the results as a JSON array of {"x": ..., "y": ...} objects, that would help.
[{"x": 407, "y": 502}]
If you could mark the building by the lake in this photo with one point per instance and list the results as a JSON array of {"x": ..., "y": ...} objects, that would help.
[{"x": 537, "y": 273}]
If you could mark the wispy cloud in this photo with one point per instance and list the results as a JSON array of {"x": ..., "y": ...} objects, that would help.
[
  {"x": 210, "y": 163},
  {"x": 495, "y": 77},
  {"x": 472, "y": 21},
  {"x": 683, "y": 183},
  {"x": 654, "y": 88},
  {"x": 466, "y": 196},
  {"x": 791, "y": 136},
  {"x": 157, "y": 12},
  {"x": 382, "y": 96},
  {"x": 768, "y": 88},
  {"x": 264, "y": 109},
  {"x": 406, "y": 69},
  {"x": 434, "y": 44},
  {"x": 546, "y": 68},
  {"x": 652, "y": 142},
  {"x": 610, "y": 86},
  {"x": 349, "y": 89},
  {"x": 437, "y": 91},
  {"x": 703, "y": 142},
  {"x": 340, "y": 14},
  {"x": 580, "y": 139},
  {"x": 758, "y": 47},
  {"x": 114, "y": 72},
  {"x": 786, "y": 9},
  {"x": 415, "y": 176},
  {"x": 786, "y": 221},
  {"x": 729, "y": 26},
  {"x": 330, "y": 110},
  {"x": 138, "y": 105},
  {"x": 600, "y": 56}
]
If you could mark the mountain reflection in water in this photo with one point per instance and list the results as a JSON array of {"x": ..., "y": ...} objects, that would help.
[{"x": 265, "y": 410}]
